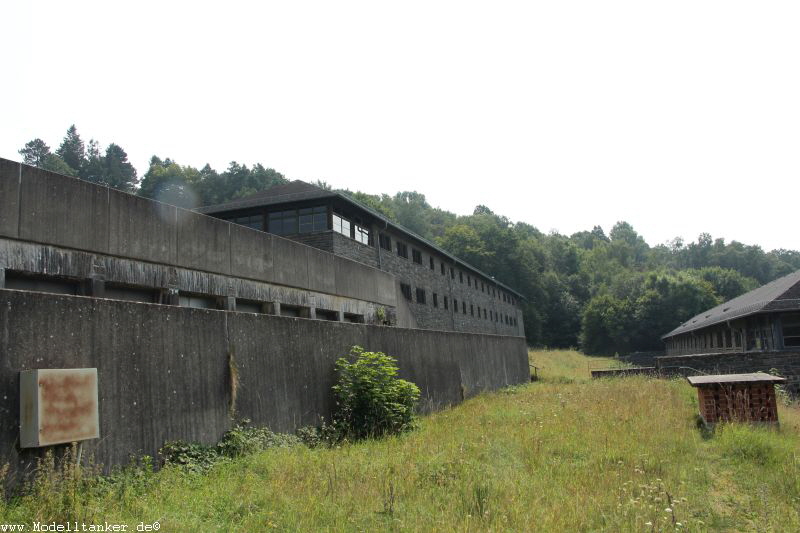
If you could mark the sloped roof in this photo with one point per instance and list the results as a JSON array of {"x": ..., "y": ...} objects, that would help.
[
  {"x": 300, "y": 190},
  {"x": 776, "y": 295},
  {"x": 290, "y": 192}
]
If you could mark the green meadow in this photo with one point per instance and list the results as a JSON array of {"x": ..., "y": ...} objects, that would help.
[{"x": 565, "y": 453}]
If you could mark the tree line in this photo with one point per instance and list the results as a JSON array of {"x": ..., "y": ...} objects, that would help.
[{"x": 605, "y": 293}]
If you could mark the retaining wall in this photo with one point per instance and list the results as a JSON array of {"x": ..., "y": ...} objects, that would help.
[{"x": 164, "y": 371}]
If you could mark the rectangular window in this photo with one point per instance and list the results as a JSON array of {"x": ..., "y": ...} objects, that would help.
[
  {"x": 469, "y": 281},
  {"x": 312, "y": 219},
  {"x": 452, "y": 273},
  {"x": 471, "y": 310},
  {"x": 483, "y": 287},
  {"x": 464, "y": 307},
  {"x": 435, "y": 300},
  {"x": 420, "y": 296},
  {"x": 441, "y": 265},
  {"x": 249, "y": 306},
  {"x": 252, "y": 221},
  {"x": 341, "y": 225},
  {"x": 386, "y": 242},
  {"x": 461, "y": 276},
  {"x": 361, "y": 234},
  {"x": 353, "y": 318},
  {"x": 445, "y": 302},
  {"x": 791, "y": 329},
  {"x": 283, "y": 222},
  {"x": 35, "y": 283},
  {"x": 432, "y": 266},
  {"x": 416, "y": 256},
  {"x": 455, "y": 305},
  {"x": 484, "y": 313},
  {"x": 402, "y": 250},
  {"x": 115, "y": 291},
  {"x": 197, "y": 301},
  {"x": 406, "y": 290}
]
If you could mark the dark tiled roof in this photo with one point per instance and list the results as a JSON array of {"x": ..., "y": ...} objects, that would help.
[
  {"x": 290, "y": 192},
  {"x": 300, "y": 190},
  {"x": 774, "y": 296}
]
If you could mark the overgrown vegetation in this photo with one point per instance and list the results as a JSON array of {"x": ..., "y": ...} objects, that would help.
[
  {"x": 606, "y": 292},
  {"x": 371, "y": 401},
  {"x": 591, "y": 455}
]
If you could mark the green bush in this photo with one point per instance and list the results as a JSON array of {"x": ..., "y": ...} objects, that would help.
[
  {"x": 237, "y": 441},
  {"x": 371, "y": 401}
]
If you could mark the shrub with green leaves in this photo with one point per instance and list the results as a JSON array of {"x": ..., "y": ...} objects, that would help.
[{"x": 371, "y": 401}]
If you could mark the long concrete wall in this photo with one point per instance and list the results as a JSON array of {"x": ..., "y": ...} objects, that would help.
[
  {"x": 164, "y": 371},
  {"x": 48, "y": 208},
  {"x": 786, "y": 363}
]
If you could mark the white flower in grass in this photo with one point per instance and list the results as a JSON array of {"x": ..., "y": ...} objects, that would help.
[{"x": 668, "y": 510}]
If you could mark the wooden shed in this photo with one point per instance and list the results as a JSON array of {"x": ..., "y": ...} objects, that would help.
[{"x": 737, "y": 397}]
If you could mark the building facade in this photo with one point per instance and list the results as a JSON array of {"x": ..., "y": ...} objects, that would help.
[
  {"x": 766, "y": 319},
  {"x": 435, "y": 290}
]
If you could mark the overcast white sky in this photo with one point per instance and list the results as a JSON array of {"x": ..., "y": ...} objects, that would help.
[{"x": 679, "y": 117}]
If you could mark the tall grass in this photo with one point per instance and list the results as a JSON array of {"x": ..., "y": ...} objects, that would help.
[{"x": 603, "y": 455}]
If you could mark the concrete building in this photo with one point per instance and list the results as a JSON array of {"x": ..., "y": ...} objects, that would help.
[
  {"x": 763, "y": 320},
  {"x": 168, "y": 305},
  {"x": 435, "y": 290}
]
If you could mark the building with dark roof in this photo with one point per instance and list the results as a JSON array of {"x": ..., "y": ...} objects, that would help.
[
  {"x": 435, "y": 290},
  {"x": 766, "y": 319}
]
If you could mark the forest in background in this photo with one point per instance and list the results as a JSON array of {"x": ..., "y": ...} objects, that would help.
[{"x": 603, "y": 292}]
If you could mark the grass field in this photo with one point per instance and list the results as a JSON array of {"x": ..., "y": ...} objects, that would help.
[{"x": 562, "y": 454}]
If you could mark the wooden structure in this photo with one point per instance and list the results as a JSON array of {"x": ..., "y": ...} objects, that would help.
[{"x": 737, "y": 397}]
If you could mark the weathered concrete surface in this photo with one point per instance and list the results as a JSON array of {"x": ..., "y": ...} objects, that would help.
[
  {"x": 55, "y": 209},
  {"x": 320, "y": 267},
  {"x": 9, "y": 198},
  {"x": 203, "y": 242},
  {"x": 163, "y": 371},
  {"x": 251, "y": 253},
  {"x": 142, "y": 229},
  {"x": 49, "y": 208},
  {"x": 290, "y": 262}
]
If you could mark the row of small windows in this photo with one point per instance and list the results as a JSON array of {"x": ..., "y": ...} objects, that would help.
[
  {"x": 305, "y": 220},
  {"x": 484, "y": 313},
  {"x": 315, "y": 219},
  {"x": 142, "y": 294},
  {"x": 401, "y": 248}
]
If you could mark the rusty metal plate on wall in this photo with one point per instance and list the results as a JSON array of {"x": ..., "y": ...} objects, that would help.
[{"x": 58, "y": 406}]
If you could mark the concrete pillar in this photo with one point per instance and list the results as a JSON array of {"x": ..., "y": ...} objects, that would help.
[
  {"x": 230, "y": 303},
  {"x": 276, "y": 308},
  {"x": 340, "y": 315},
  {"x": 169, "y": 296},
  {"x": 96, "y": 287},
  {"x": 2, "y": 278},
  {"x": 312, "y": 313}
]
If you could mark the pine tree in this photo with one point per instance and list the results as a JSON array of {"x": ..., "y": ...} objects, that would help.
[
  {"x": 119, "y": 173},
  {"x": 72, "y": 150}
]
